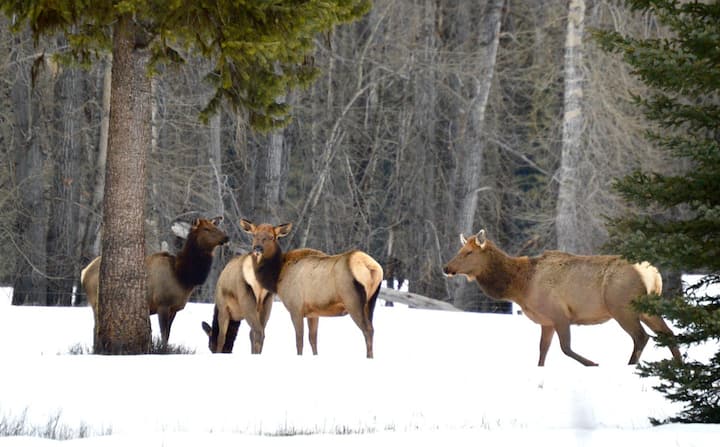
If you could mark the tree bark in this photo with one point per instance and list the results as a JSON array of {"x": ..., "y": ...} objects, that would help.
[
  {"x": 123, "y": 325},
  {"x": 567, "y": 223}
]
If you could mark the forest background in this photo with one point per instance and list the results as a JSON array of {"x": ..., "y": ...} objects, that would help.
[{"x": 430, "y": 118}]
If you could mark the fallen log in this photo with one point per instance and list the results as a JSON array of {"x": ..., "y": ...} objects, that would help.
[{"x": 414, "y": 300}]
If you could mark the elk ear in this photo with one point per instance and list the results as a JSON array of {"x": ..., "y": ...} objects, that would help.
[
  {"x": 283, "y": 230},
  {"x": 216, "y": 220},
  {"x": 463, "y": 241},
  {"x": 206, "y": 327},
  {"x": 195, "y": 222},
  {"x": 480, "y": 239},
  {"x": 247, "y": 226}
]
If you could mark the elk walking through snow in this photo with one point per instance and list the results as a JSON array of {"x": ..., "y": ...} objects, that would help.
[{"x": 557, "y": 289}]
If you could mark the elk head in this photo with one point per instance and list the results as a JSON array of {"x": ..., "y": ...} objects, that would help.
[
  {"x": 265, "y": 238},
  {"x": 207, "y": 234},
  {"x": 471, "y": 259}
]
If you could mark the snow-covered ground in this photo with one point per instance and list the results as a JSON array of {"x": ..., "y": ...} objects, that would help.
[{"x": 437, "y": 377}]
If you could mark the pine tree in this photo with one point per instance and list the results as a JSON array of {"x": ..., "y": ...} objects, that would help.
[
  {"x": 260, "y": 49},
  {"x": 683, "y": 72}
]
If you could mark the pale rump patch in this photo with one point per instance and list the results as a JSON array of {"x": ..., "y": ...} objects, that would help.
[
  {"x": 366, "y": 271},
  {"x": 250, "y": 278},
  {"x": 650, "y": 277}
]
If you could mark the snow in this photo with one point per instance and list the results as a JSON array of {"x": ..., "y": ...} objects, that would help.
[{"x": 437, "y": 377}]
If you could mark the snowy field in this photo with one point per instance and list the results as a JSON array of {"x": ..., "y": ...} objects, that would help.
[{"x": 438, "y": 377}]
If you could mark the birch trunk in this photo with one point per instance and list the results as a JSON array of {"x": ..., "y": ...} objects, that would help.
[
  {"x": 153, "y": 235},
  {"x": 568, "y": 205}
]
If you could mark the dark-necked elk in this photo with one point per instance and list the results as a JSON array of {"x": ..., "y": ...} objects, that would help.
[
  {"x": 312, "y": 284},
  {"x": 238, "y": 296},
  {"x": 557, "y": 289},
  {"x": 170, "y": 279}
]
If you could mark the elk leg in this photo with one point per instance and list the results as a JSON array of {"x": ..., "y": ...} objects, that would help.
[
  {"x": 257, "y": 334},
  {"x": 546, "y": 336},
  {"x": 265, "y": 310},
  {"x": 257, "y": 338},
  {"x": 231, "y": 335},
  {"x": 312, "y": 332},
  {"x": 563, "y": 331},
  {"x": 164, "y": 323},
  {"x": 297, "y": 320},
  {"x": 658, "y": 325},
  {"x": 366, "y": 327},
  {"x": 223, "y": 319},
  {"x": 631, "y": 324}
]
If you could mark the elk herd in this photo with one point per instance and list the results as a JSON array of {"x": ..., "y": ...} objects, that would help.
[{"x": 554, "y": 290}]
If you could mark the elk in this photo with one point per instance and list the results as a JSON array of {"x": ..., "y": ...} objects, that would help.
[
  {"x": 312, "y": 284},
  {"x": 557, "y": 289},
  {"x": 170, "y": 279},
  {"x": 238, "y": 296}
]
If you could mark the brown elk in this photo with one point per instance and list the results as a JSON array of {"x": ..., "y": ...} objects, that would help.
[
  {"x": 558, "y": 289},
  {"x": 312, "y": 284},
  {"x": 170, "y": 279},
  {"x": 238, "y": 296}
]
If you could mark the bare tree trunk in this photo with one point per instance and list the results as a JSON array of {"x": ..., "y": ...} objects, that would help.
[
  {"x": 123, "y": 325},
  {"x": 471, "y": 166},
  {"x": 30, "y": 283},
  {"x": 62, "y": 243},
  {"x": 153, "y": 237},
  {"x": 94, "y": 233},
  {"x": 270, "y": 204},
  {"x": 472, "y": 142},
  {"x": 204, "y": 293},
  {"x": 567, "y": 225}
]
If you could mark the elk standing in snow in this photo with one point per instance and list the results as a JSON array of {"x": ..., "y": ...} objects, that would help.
[
  {"x": 170, "y": 278},
  {"x": 312, "y": 284},
  {"x": 238, "y": 296}
]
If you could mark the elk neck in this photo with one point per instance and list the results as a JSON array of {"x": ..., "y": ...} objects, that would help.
[
  {"x": 268, "y": 269},
  {"x": 192, "y": 264},
  {"x": 506, "y": 277}
]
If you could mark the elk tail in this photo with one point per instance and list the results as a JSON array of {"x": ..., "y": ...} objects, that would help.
[
  {"x": 368, "y": 274},
  {"x": 650, "y": 277},
  {"x": 371, "y": 303}
]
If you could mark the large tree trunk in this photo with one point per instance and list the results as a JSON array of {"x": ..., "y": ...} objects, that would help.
[
  {"x": 123, "y": 325},
  {"x": 567, "y": 222},
  {"x": 30, "y": 282}
]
